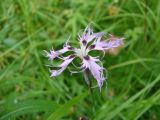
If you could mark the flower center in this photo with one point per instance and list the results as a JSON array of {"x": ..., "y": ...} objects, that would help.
[{"x": 81, "y": 52}]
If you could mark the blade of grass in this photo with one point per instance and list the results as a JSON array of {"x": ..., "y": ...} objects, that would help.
[
  {"x": 27, "y": 106},
  {"x": 64, "y": 109},
  {"x": 132, "y": 62}
]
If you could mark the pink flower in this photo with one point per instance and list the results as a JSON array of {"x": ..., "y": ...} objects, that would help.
[{"x": 89, "y": 41}]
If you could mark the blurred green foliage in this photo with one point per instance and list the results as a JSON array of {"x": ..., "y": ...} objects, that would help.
[{"x": 27, "y": 27}]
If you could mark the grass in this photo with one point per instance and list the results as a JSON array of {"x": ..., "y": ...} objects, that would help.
[{"x": 27, "y": 92}]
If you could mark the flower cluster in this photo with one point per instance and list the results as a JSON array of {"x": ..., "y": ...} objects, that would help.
[{"x": 88, "y": 41}]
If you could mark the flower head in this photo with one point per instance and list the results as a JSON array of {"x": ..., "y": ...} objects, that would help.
[{"x": 89, "y": 41}]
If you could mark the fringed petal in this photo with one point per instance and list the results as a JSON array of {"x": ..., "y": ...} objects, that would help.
[
  {"x": 88, "y": 36},
  {"x": 106, "y": 45},
  {"x": 67, "y": 61},
  {"x": 114, "y": 42},
  {"x": 96, "y": 70},
  {"x": 54, "y": 54}
]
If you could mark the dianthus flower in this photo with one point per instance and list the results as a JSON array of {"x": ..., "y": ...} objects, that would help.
[{"x": 89, "y": 41}]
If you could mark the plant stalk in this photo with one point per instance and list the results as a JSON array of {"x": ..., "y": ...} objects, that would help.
[{"x": 89, "y": 84}]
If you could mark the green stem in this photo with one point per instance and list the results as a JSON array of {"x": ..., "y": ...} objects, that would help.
[{"x": 89, "y": 83}]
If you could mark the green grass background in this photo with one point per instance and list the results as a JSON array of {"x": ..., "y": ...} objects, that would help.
[{"x": 27, "y": 27}]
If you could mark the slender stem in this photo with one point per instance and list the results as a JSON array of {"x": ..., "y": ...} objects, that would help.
[
  {"x": 89, "y": 83},
  {"x": 93, "y": 102}
]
